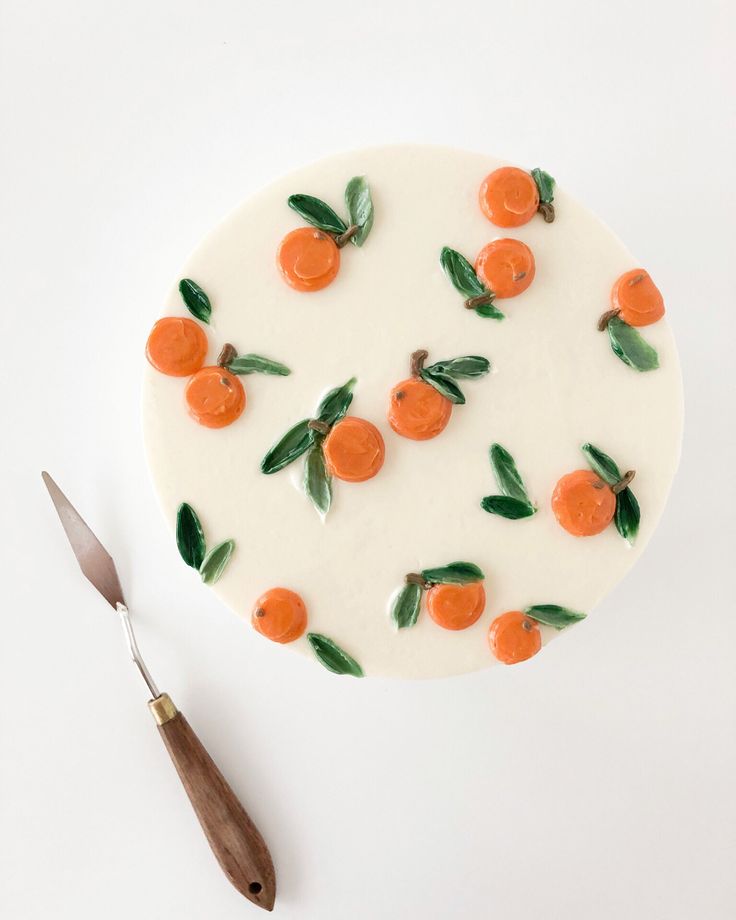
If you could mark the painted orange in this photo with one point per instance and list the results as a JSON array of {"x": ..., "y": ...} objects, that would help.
[
  {"x": 583, "y": 503},
  {"x": 637, "y": 298},
  {"x": 506, "y": 266},
  {"x": 279, "y": 615},
  {"x": 215, "y": 397},
  {"x": 514, "y": 637},
  {"x": 509, "y": 197},
  {"x": 177, "y": 346},
  {"x": 456, "y": 606},
  {"x": 308, "y": 259},
  {"x": 354, "y": 450},
  {"x": 417, "y": 410}
]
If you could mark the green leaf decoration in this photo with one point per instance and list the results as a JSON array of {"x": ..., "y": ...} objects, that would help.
[
  {"x": 469, "y": 366},
  {"x": 197, "y": 302},
  {"x": 489, "y": 311},
  {"x": 333, "y": 657},
  {"x": 545, "y": 185},
  {"x": 505, "y": 506},
  {"x": 294, "y": 443},
  {"x": 317, "y": 213},
  {"x": 213, "y": 564},
  {"x": 461, "y": 273},
  {"x": 507, "y": 475},
  {"x": 601, "y": 464},
  {"x": 444, "y": 385},
  {"x": 256, "y": 364},
  {"x": 456, "y": 573},
  {"x": 317, "y": 481},
  {"x": 629, "y": 345},
  {"x": 360, "y": 208},
  {"x": 627, "y": 515},
  {"x": 189, "y": 536},
  {"x": 553, "y": 615},
  {"x": 336, "y": 404},
  {"x": 405, "y": 608}
]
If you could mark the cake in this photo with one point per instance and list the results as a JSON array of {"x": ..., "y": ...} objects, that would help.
[{"x": 412, "y": 411}]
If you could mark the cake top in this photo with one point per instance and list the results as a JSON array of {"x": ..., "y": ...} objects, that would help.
[{"x": 408, "y": 419}]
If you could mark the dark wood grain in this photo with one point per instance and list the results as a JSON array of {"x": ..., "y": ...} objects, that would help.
[{"x": 234, "y": 838}]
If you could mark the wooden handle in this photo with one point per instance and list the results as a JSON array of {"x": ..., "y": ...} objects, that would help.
[{"x": 234, "y": 838}]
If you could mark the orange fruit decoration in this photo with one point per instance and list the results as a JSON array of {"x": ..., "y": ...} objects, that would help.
[
  {"x": 309, "y": 257},
  {"x": 455, "y": 596},
  {"x": 334, "y": 443},
  {"x": 176, "y": 346},
  {"x": 583, "y": 504},
  {"x": 353, "y": 450},
  {"x": 420, "y": 406},
  {"x": 586, "y": 501},
  {"x": 417, "y": 410},
  {"x": 215, "y": 397},
  {"x": 506, "y": 267},
  {"x": 280, "y": 615},
  {"x": 510, "y": 197},
  {"x": 456, "y": 606},
  {"x": 637, "y": 299},
  {"x": 514, "y": 636}
]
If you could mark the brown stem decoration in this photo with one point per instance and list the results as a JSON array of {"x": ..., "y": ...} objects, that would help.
[
  {"x": 414, "y": 578},
  {"x": 547, "y": 210},
  {"x": 481, "y": 300},
  {"x": 316, "y": 425},
  {"x": 417, "y": 361},
  {"x": 228, "y": 354},
  {"x": 343, "y": 239},
  {"x": 623, "y": 483},
  {"x": 606, "y": 319},
  {"x": 636, "y": 279}
]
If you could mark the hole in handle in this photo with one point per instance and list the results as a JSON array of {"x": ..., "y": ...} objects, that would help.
[{"x": 255, "y": 888}]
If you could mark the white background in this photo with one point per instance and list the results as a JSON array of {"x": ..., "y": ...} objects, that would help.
[{"x": 595, "y": 782}]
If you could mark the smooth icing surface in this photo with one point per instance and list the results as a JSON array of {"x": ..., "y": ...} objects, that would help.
[{"x": 554, "y": 385}]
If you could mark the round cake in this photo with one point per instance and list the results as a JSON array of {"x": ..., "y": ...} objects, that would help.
[{"x": 412, "y": 411}]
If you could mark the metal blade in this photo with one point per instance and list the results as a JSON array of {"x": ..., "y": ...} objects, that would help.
[{"x": 93, "y": 558}]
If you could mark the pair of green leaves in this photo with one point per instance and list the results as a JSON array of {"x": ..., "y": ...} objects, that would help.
[
  {"x": 195, "y": 299},
  {"x": 408, "y": 600},
  {"x": 301, "y": 439},
  {"x": 443, "y": 374},
  {"x": 514, "y": 502},
  {"x": 465, "y": 281},
  {"x": 192, "y": 546},
  {"x": 320, "y": 215},
  {"x": 627, "y": 515},
  {"x": 332, "y": 656},
  {"x": 553, "y": 615},
  {"x": 629, "y": 345}
]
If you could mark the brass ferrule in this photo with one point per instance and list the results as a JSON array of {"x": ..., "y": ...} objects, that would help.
[{"x": 162, "y": 708}]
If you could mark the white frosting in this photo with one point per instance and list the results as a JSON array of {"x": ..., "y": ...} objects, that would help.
[{"x": 555, "y": 384}]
